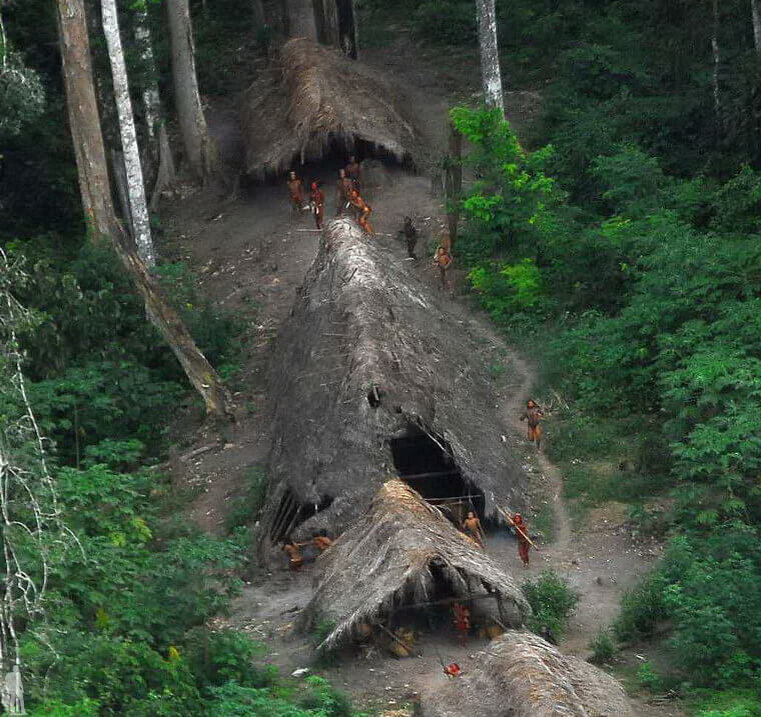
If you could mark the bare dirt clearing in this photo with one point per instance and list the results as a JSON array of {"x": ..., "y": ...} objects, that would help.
[{"x": 251, "y": 255}]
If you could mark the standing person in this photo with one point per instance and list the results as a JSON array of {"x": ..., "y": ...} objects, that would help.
[
  {"x": 471, "y": 526},
  {"x": 410, "y": 235},
  {"x": 343, "y": 189},
  {"x": 317, "y": 200},
  {"x": 364, "y": 210},
  {"x": 532, "y": 415},
  {"x": 521, "y": 532},
  {"x": 354, "y": 172},
  {"x": 443, "y": 259},
  {"x": 295, "y": 192}
]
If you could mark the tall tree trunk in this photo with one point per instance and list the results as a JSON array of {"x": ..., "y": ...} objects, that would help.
[
  {"x": 199, "y": 149},
  {"x": 716, "y": 66},
  {"x": 160, "y": 150},
  {"x": 487, "y": 42},
  {"x": 756, "y": 18},
  {"x": 154, "y": 114},
  {"x": 84, "y": 119},
  {"x": 141, "y": 225},
  {"x": 301, "y": 19},
  {"x": 260, "y": 17},
  {"x": 91, "y": 165}
]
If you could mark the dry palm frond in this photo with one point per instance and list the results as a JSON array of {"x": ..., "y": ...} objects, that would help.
[{"x": 315, "y": 99}]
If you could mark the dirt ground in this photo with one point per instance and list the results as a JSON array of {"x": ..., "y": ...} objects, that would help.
[{"x": 250, "y": 255}]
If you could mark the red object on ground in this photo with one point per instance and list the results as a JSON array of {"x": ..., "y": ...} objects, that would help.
[{"x": 452, "y": 670}]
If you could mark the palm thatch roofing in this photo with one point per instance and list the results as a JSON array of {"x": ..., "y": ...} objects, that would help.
[
  {"x": 363, "y": 321},
  {"x": 521, "y": 675},
  {"x": 389, "y": 558},
  {"x": 316, "y": 98}
]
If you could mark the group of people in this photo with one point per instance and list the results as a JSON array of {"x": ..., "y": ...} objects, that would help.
[
  {"x": 471, "y": 526},
  {"x": 348, "y": 196},
  {"x": 319, "y": 542}
]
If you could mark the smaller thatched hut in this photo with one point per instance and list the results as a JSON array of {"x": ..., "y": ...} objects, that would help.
[
  {"x": 521, "y": 675},
  {"x": 401, "y": 552},
  {"x": 315, "y": 101}
]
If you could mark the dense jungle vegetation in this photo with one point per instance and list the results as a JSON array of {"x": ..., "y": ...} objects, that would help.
[
  {"x": 623, "y": 246},
  {"x": 618, "y": 242}
]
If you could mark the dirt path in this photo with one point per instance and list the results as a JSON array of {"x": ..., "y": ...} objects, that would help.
[{"x": 251, "y": 258}]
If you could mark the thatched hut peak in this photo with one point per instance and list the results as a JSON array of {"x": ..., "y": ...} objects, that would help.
[
  {"x": 373, "y": 377},
  {"x": 315, "y": 101},
  {"x": 401, "y": 552},
  {"x": 521, "y": 675}
]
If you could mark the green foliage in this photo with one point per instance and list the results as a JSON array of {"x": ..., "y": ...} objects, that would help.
[
  {"x": 447, "y": 22},
  {"x": 552, "y": 602},
  {"x": 642, "y": 609},
  {"x": 246, "y": 508},
  {"x": 648, "y": 678},
  {"x": 603, "y": 648}
]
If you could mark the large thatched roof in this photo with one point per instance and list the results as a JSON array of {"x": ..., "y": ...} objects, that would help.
[
  {"x": 315, "y": 96},
  {"x": 388, "y": 558},
  {"x": 364, "y": 319},
  {"x": 521, "y": 675}
]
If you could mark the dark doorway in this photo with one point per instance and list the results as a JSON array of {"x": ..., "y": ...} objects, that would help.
[
  {"x": 426, "y": 464},
  {"x": 291, "y": 513}
]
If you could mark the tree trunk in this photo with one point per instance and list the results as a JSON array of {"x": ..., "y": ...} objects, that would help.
[
  {"x": 119, "y": 175},
  {"x": 158, "y": 140},
  {"x": 756, "y": 17},
  {"x": 84, "y": 119},
  {"x": 91, "y": 165},
  {"x": 154, "y": 115},
  {"x": 487, "y": 41},
  {"x": 301, "y": 19},
  {"x": 716, "y": 65},
  {"x": 260, "y": 17},
  {"x": 141, "y": 225},
  {"x": 453, "y": 183},
  {"x": 199, "y": 149}
]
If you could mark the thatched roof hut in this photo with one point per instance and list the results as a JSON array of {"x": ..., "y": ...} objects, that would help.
[
  {"x": 375, "y": 377},
  {"x": 399, "y": 552},
  {"x": 316, "y": 100},
  {"x": 521, "y": 675}
]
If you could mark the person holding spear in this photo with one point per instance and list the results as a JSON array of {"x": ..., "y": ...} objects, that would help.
[{"x": 521, "y": 532}]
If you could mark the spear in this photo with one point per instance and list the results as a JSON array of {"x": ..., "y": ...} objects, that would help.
[{"x": 517, "y": 528}]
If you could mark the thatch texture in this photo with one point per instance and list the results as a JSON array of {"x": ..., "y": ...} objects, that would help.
[
  {"x": 388, "y": 559},
  {"x": 521, "y": 675},
  {"x": 314, "y": 97},
  {"x": 364, "y": 319}
]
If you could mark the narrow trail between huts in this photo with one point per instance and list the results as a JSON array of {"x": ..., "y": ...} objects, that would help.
[{"x": 251, "y": 255}]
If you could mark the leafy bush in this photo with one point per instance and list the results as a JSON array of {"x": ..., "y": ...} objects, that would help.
[
  {"x": 642, "y": 608},
  {"x": 603, "y": 647},
  {"x": 552, "y": 602}
]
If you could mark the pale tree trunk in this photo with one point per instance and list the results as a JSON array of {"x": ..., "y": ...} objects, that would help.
[
  {"x": 141, "y": 224},
  {"x": 260, "y": 18},
  {"x": 487, "y": 42},
  {"x": 756, "y": 17},
  {"x": 84, "y": 118},
  {"x": 160, "y": 150},
  {"x": 91, "y": 166},
  {"x": 199, "y": 149},
  {"x": 301, "y": 19},
  {"x": 716, "y": 66}
]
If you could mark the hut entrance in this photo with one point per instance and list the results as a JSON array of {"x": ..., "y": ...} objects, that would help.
[
  {"x": 291, "y": 513},
  {"x": 425, "y": 463}
]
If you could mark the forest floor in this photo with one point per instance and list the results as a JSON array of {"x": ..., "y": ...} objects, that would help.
[{"x": 251, "y": 255}]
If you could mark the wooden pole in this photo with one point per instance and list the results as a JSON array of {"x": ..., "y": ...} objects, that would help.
[{"x": 519, "y": 530}]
